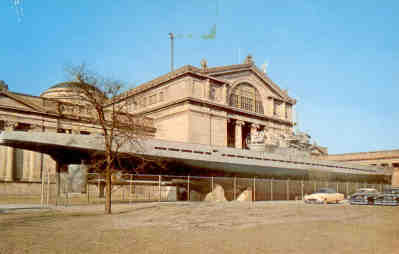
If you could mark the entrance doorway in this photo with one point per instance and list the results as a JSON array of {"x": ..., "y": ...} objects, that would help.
[
  {"x": 231, "y": 134},
  {"x": 246, "y": 135}
]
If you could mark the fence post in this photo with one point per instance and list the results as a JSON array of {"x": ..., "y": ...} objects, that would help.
[
  {"x": 42, "y": 193},
  {"x": 48, "y": 186},
  {"x": 301, "y": 189},
  {"x": 212, "y": 183},
  {"x": 254, "y": 192},
  {"x": 271, "y": 189},
  {"x": 159, "y": 188},
  {"x": 88, "y": 191},
  {"x": 131, "y": 190},
  {"x": 98, "y": 183},
  {"x": 347, "y": 189},
  {"x": 314, "y": 186},
  {"x": 288, "y": 189},
  {"x": 123, "y": 192},
  {"x": 188, "y": 188},
  {"x": 234, "y": 187}
]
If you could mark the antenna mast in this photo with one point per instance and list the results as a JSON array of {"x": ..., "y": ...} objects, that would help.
[{"x": 171, "y": 36}]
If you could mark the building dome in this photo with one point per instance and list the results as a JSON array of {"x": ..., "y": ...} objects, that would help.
[{"x": 66, "y": 92}]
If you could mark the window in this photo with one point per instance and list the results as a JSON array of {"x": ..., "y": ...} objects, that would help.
[
  {"x": 212, "y": 92},
  {"x": 142, "y": 102},
  {"x": 130, "y": 101},
  {"x": 161, "y": 96},
  {"x": 246, "y": 97},
  {"x": 277, "y": 107},
  {"x": 152, "y": 99}
]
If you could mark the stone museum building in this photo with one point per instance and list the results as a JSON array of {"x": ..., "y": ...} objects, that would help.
[
  {"x": 386, "y": 158},
  {"x": 218, "y": 106}
]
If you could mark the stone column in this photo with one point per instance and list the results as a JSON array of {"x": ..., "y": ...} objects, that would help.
[
  {"x": 34, "y": 166},
  {"x": 238, "y": 136},
  {"x": 9, "y": 172},
  {"x": 3, "y": 161},
  {"x": 26, "y": 165}
]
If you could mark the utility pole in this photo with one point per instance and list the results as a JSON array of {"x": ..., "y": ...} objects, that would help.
[{"x": 171, "y": 36}]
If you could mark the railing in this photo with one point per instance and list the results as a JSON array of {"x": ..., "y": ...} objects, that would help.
[
  {"x": 129, "y": 188},
  {"x": 137, "y": 187}
]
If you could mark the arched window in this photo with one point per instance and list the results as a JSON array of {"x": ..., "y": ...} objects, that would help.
[{"x": 246, "y": 97}]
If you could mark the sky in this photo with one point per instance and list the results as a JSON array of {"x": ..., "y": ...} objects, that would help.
[{"x": 339, "y": 59}]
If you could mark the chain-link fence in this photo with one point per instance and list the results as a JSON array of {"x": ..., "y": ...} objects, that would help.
[
  {"x": 128, "y": 188},
  {"x": 134, "y": 188},
  {"x": 30, "y": 192}
]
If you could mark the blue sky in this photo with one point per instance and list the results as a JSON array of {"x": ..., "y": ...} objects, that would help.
[{"x": 339, "y": 59}]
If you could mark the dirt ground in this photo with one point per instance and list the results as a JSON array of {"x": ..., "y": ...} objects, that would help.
[{"x": 202, "y": 227}]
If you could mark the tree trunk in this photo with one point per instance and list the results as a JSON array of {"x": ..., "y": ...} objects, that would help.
[{"x": 108, "y": 191}]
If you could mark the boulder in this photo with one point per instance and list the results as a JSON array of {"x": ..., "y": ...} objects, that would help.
[
  {"x": 216, "y": 195},
  {"x": 246, "y": 195}
]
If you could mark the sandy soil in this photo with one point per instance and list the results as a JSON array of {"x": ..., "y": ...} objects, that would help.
[{"x": 203, "y": 227}]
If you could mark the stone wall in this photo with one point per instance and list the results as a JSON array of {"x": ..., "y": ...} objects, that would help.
[
  {"x": 23, "y": 188},
  {"x": 364, "y": 156},
  {"x": 389, "y": 158},
  {"x": 173, "y": 127}
]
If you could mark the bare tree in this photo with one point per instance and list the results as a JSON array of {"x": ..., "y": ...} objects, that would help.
[{"x": 109, "y": 111}]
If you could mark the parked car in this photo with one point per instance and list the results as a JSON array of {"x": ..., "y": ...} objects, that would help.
[
  {"x": 387, "y": 199},
  {"x": 324, "y": 195},
  {"x": 364, "y": 196},
  {"x": 392, "y": 190},
  {"x": 366, "y": 190}
]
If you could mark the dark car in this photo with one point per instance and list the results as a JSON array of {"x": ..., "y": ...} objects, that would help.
[
  {"x": 390, "y": 197},
  {"x": 363, "y": 199},
  {"x": 387, "y": 199},
  {"x": 392, "y": 190},
  {"x": 364, "y": 196}
]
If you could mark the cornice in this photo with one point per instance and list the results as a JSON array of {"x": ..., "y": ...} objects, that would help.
[
  {"x": 222, "y": 107},
  {"x": 20, "y": 99},
  {"x": 181, "y": 72},
  {"x": 226, "y": 68},
  {"x": 250, "y": 67}
]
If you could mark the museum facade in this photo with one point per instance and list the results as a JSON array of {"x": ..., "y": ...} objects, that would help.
[{"x": 218, "y": 106}]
